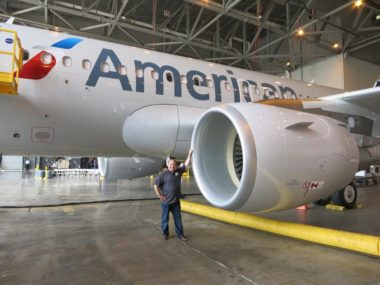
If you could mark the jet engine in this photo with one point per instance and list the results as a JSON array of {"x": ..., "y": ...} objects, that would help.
[
  {"x": 128, "y": 167},
  {"x": 258, "y": 158}
]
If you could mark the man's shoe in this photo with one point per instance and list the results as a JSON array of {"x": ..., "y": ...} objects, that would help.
[
  {"x": 183, "y": 238},
  {"x": 165, "y": 237}
]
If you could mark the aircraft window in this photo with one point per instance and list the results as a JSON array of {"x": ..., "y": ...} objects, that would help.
[
  {"x": 209, "y": 83},
  {"x": 196, "y": 81},
  {"x": 104, "y": 67},
  {"x": 66, "y": 61},
  {"x": 266, "y": 93},
  {"x": 86, "y": 64},
  {"x": 154, "y": 74},
  {"x": 122, "y": 70},
  {"x": 169, "y": 77},
  {"x": 227, "y": 85},
  {"x": 247, "y": 96},
  {"x": 46, "y": 58},
  {"x": 183, "y": 79},
  {"x": 256, "y": 90},
  {"x": 139, "y": 73},
  {"x": 25, "y": 55}
]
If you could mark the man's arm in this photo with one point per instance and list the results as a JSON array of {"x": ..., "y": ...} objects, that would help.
[
  {"x": 188, "y": 159},
  {"x": 158, "y": 192}
]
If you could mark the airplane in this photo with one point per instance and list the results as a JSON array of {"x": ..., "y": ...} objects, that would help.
[{"x": 260, "y": 143}]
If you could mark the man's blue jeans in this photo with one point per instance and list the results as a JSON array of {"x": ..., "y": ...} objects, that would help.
[{"x": 175, "y": 208}]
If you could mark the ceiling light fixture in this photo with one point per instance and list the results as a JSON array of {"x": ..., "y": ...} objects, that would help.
[
  {"x": 358, "y": 3},
  {"x": 300, "y": 33}
]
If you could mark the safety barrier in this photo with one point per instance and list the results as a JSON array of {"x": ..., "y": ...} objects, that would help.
[
  {"x": 75, "y": 172},
  {"x": 361, "y": 243}
]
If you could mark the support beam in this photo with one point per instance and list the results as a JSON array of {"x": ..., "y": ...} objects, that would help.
[{"x": 117, "y": 18}]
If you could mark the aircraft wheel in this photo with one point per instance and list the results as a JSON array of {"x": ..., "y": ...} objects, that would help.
[
  {"x": 323, "y": 202},
  {"x": 346, "y": 197}
]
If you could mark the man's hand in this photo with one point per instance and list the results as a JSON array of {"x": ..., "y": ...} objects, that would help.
[{"x": 158, "y": 192}]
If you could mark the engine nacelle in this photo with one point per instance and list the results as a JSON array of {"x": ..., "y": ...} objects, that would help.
[
  {"x": 258, "y": 158},
  {"x": 128, "y": 167}
]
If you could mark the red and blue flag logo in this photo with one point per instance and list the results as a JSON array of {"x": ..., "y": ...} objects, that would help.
[{"x": 38, "y": 67}]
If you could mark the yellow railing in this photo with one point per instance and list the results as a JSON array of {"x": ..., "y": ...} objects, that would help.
[{"x": 11, "y": 54}]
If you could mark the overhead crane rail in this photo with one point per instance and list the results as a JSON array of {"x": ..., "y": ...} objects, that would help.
[{"x": 11, "y": 54}]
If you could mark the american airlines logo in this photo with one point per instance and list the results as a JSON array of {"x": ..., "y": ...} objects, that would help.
[{"x": 193, "y": 86}]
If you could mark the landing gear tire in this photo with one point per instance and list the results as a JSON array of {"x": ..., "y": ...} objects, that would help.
[
  {"x": 323, "y": 202},
  {"x": 346, "y": 197}
]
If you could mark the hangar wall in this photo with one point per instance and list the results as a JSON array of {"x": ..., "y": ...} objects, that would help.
[
  {"x": 359, "y": 74},
  {"x": 339, "y": 72},
  {"x": 9, "y": 162}
]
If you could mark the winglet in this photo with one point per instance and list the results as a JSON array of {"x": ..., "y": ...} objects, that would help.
[
  {"x": 10, "y": 20},
  {"x": 299, "y": 125}
]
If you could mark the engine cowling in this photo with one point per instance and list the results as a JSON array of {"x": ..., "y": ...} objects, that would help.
[
  {"x": 128, "y": 167},
  {"x": 256, "y": 158}
]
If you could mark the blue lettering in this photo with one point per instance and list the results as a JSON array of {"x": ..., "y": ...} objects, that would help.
[
  {"x": 190, "y": 84},
  {"x": 271, "y": 91},
  {"x": 194, "y": 78},
  {"x": 256, "y": 88},
  {"x": 287, "y": 91},
  {"x": 159, "y": 81},
  {"x": 217, "y": 83},
  {"x": 97, "y": 72},
  {"x": 235, "y": 87},
  {"x": 246, "y": 93}
]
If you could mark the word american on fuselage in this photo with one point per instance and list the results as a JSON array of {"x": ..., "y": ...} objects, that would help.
[{"x": 193, "y": 80}]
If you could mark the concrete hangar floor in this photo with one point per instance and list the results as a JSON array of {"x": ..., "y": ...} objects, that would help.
[{"x": 120, "y": 242}]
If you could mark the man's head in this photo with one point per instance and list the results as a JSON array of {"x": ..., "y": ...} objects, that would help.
[{"x": 172, "y": 165}]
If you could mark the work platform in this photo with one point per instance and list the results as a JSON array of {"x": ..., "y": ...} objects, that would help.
[
  {"x": 11, "y": 55},
  {"x": 120, "y": 242}
]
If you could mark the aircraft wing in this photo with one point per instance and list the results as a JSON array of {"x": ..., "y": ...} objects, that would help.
[{"x": 368, "y": 99}]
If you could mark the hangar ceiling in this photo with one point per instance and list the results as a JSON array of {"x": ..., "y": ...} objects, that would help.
[{"x": 258, "y": 35}]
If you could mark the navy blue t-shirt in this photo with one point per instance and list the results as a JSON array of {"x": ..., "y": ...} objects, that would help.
[{"x": 170, "y": 184}]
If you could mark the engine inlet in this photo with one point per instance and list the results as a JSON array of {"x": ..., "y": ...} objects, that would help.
[{"x": 238, "y": 158}]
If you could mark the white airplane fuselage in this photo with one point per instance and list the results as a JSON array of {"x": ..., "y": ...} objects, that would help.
[
  {"x": 79, "y": 108},
  {"x": 253, "y": 150}
]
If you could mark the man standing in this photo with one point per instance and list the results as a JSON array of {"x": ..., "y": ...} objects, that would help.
[
  {"x": 27, "y": 164},
  {"x": 167, "y": 186}
]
